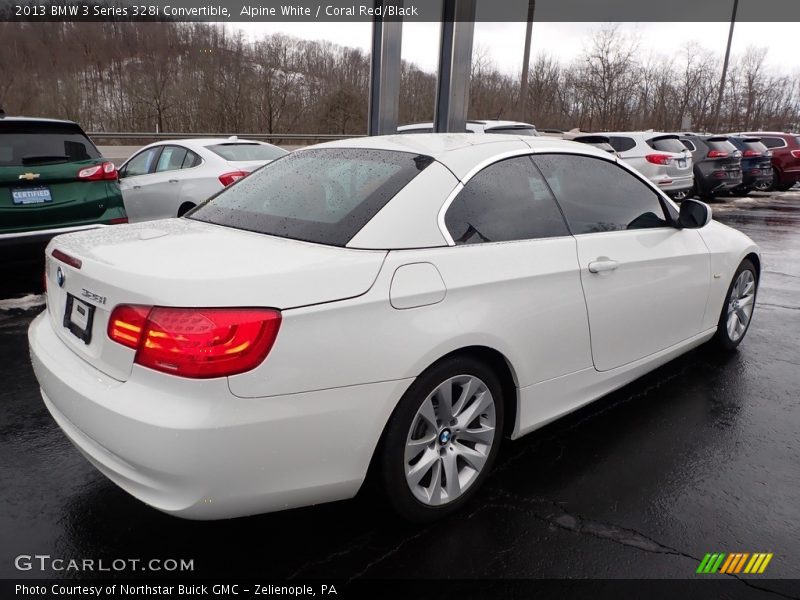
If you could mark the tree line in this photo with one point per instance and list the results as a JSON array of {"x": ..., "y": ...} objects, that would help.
[{"x": 202, "y": 78}]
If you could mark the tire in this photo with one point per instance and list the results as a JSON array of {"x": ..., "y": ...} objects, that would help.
[
  {"x": 682, "y": 195},
  {"x": 421, "y": 446},
  {"x": 185, "y": 207},
  {"x": 777, "y": 184},
  {"x": 742, "y": 290},
  {"x": 762, "y": 186}
]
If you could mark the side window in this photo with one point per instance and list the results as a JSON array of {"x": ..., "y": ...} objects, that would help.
[
  {"x": 621, "y": 143},
  {"x": 772, "y": 142},
  {"x": 142, "y": 163},
  {"x": 597, "y": 195},
  {"x": 191, "y": 160},
  {"x": 508, "y": 200},
  {"x": 690, "y": 145},
  {"x": 171, "y": 158}
]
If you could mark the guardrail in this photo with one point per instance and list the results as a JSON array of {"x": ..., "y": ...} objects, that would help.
[{"x": 126, "y": 135}]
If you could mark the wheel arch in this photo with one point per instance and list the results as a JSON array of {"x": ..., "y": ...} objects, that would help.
[
  {"x": 505, "y": 372},
  {"x": 756, "y": 260},
  {"x": 185, "y": 207}
]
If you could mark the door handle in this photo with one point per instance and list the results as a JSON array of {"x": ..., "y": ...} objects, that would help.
[
  {"x": 603, "y": 264},
  {"x": 173, "y": 181},
  {"x": 137, "y": 187}
]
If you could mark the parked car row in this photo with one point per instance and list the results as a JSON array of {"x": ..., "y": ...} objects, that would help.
[
  {"x": 53, "y": 179},
  {"x": 685, "y": 164}
]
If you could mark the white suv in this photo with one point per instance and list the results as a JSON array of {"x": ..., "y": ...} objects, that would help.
[
  {"x": 478, "y": 126},
  {"x": 661, "y": 157}
]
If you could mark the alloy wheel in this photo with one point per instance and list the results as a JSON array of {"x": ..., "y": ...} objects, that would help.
[
  {"x": 740, "y": 305},
  {"x": 450, "y": 439}
]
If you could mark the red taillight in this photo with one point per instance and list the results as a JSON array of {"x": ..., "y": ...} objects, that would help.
[
  {"x": 126, "y": 324},
  {"x": 196, "y": 342},
  {"x": 796, "y": 153},
  {"x": 658, "y": 159},
  {"x": 228, "y": 178},
  {"x": 750, "y": 154},
  {"x": 66, "y": 259},
  {"x": 717, "y": 154},
  {"x": 104, "y": 171},
  {"x": 118, "y": 221}
]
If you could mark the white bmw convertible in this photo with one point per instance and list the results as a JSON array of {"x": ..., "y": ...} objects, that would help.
[{"x": 400, "y": 302}]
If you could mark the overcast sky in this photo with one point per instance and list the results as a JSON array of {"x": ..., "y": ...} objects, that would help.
[{"x": 504, "y": 41}]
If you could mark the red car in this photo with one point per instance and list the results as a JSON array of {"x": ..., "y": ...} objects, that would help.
[{"x": 785, "y": 157}]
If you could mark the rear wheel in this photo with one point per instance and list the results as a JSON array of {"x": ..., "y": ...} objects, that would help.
[
  {"x": 185, "y": 207},
  {"x": 762, "y": 185},
  {"x": 779, "y": 185},
  {"x": 737, "y": 312},
  {"x": 443, "y": 438}
]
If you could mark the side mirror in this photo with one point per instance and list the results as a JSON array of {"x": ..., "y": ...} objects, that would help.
[{"x": 694, "y": 214}]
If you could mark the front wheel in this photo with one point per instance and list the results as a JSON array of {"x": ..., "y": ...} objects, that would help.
[
  {"x": 443, "y": 438},
  {"x": 737, "y": 312}
]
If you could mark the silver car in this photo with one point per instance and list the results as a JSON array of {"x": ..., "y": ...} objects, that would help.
[
  {"x": 661, "y": 157},
  {"x": 169, "y": 178}
]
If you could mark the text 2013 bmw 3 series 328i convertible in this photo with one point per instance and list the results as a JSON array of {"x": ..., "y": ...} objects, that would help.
[{"x": 404, "y": 302}]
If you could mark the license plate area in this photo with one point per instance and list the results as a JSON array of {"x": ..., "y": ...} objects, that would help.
[
  {"x": 78, "y": 318},
  {"x": 681, "y": 163},
  {"x": 31, "y": 195}
]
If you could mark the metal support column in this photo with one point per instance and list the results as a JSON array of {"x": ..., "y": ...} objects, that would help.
[
  {"x": 455, "y": 65},
  {"x": 384, "y": 87}
]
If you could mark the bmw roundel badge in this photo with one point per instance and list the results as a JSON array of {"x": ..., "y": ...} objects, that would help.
[{"x": 60, "y": 277}]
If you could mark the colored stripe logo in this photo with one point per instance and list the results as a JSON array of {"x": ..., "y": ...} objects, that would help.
[{"x": 735, "y": 562}]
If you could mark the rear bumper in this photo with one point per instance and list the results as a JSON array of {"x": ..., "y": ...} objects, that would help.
[
  {"x": 674, "y": 184},
  {"x": 193, "y": 449}
]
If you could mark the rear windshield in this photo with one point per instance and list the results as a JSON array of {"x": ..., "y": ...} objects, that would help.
[
  {"x": 324, "y": 195},
  {"x": 26, "y": 143},
  {"x": 755, "y": 146},
  {"x": 666, "y": 145},
  {"x": 513, "y": 130},
  {"x": 721, "y": 145},
  {"x": 239, "y": 151}
]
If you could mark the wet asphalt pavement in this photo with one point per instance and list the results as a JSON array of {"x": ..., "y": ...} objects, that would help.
[{"x": 702, "y": 455}]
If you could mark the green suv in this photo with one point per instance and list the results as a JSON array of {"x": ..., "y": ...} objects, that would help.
[{"x": 52, "y": 180}]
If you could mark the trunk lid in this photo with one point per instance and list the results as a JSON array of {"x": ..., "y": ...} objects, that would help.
[
  {"x": 45, "y": 195},
  {"x": 247, "y": 165},
  {"x": 680, "y": 163},
  {"x": 186, "y": 263},
  {"x": 39, "y": 164}
]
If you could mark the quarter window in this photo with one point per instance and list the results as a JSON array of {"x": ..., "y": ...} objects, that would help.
[
  {"x": 508, "y": 200},
  {"x": 773, "y": 142},
  {"x": 191, "y": 160},
  {"x": 621, "y": 143},
  {"x": 597, "y": 195}
]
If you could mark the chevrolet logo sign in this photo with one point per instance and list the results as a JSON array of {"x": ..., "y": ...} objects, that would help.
[{"x": 29, "y": 176}]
